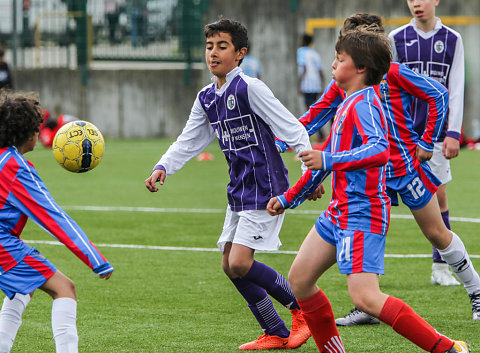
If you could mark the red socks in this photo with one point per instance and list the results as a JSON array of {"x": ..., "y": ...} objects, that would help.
[
  {"x": 318, "y": 314},
  {"x": 410, "y": 325}
]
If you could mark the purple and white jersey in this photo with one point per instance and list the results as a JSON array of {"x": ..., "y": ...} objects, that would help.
[
  {"x": 438, "y": 54},
  {"x": 245, "y": 117}
]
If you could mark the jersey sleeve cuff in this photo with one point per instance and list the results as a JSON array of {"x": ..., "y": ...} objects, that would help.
[
  {"x": 282, "y": 146},
  {"x": 159, "y": 167},
  {"x": 425, "y": 146},
  {"x": 283, "y": 201},
  {"x": 327, "y": 161},
  {"x": 103, "y": 269},
  {"x": 453, "y": 134}
]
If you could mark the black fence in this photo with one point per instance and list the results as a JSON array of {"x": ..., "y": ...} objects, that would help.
[{"x": 69, "y": 33}]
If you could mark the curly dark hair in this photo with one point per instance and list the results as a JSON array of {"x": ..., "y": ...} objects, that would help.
[{"x": 20, "y": 117}]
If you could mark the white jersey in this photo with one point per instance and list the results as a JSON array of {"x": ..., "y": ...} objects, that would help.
[{"x": 308, "y": 61}]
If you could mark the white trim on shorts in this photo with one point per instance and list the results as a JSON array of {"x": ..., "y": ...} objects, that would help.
[
  {"x": 255, "y": 229},
  {"x": 439, "y": 165}
]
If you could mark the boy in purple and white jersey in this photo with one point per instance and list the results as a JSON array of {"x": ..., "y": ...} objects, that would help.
[
  {"x": 242, "y": 113},
  {"x": 23, "y": 195},
  {"x": 435, "y": 50}
]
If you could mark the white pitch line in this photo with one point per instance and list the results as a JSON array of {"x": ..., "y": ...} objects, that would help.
[
  {"x": 210, "y": 211},
  {"x": 181, "y": 248},
  {"x": 213, "y": 211}
]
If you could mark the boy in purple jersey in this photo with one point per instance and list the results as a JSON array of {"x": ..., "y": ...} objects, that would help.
[
  {"x": 23, "y": 195},
  {"x": 406, "y": 174},
  {"x": 242, "y": 113},
  {"x": 435, "y": 50},
  {"x": 352, "y": 230}
]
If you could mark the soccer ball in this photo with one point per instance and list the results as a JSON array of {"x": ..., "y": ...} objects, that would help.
[{"x": 78, "y": 146}]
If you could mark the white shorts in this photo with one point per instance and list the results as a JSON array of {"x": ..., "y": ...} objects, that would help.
[
  {"x": 439, "y": 165},
  {"x": 255, "y": 229}
]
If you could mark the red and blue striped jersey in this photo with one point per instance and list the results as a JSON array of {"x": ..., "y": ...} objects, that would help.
[
  {"x": 356, "y": 152},
  {"x": 399, "y": 88},
  {"x": 397, "y": 91},
  {"x": 23, "y": 195}
]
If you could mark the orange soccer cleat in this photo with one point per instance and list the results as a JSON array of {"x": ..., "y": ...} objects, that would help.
[
  {"x": 265, "y": 342},
  {"x": 459, "y": 347},
  {"x": 300, "y": 333}
]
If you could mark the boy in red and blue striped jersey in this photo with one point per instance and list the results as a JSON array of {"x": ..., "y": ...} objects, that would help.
[
  {"x": 352, "y": 230},
  {"x": 408, "y": 174},
  {"x": 429, "y": 47},
  {"x": 23, "y": 195}
]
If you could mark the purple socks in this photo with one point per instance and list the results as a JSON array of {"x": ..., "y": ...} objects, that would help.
[
  {"x": 435, "y": 254},
  {"x": 255, "y": 287},
  {"x": 273, "y": 282}
]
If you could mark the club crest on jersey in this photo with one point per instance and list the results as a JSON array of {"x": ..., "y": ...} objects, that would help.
[
  {"x": 341, "y": 126},
  {"x": 384, "y": 89},
  {"x": 438, "y": 46},
  {"x": 231, "y": 102}
]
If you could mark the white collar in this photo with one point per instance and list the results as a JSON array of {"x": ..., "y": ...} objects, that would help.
[
  {"x": 425, "y": 35},
  {"x": 228, "y": 79}
]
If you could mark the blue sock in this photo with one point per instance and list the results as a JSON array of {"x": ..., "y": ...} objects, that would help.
[
  {"x": 435, "y": 254},
  {"x": 261, "y": 307},
  {"x": 274, "y": 283}
]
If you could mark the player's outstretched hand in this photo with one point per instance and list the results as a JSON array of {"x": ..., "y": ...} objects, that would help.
[
  {"x": 274, "y": 208},
  {"x": 317, "y": 194},
  {"x": 105, "y": 275},
  {"x": 422, "y": 155},
  {"x": 312, "y": 159},
  {"x": 157, "y": 175}
]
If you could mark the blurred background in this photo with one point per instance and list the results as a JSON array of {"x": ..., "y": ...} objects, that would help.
[{"x": 134, "y": 67}]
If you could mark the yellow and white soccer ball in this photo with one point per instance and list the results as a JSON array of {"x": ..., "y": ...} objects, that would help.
[{"x": 78, "y": 146}]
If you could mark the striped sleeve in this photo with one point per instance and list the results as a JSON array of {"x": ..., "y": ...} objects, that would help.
[
  {"x": 305, "y": 186},
  {"x": 430, "y": 91},
  {"x": 319, "y": 113},
  {"x": 322, "y": 110},
  {"x": 374, "y": 150},
  {"x": 30, "y": 196}
]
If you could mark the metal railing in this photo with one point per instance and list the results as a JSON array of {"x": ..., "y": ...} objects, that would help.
[{"x": 55, "y": 33}]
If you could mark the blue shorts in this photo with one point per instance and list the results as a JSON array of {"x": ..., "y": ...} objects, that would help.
[
  {"x": 26, "y": 276},
  {"x": 357, "y": 251},
  {"x": 416, "y": 189}
]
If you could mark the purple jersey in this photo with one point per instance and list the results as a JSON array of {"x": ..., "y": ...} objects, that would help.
[
  {"x": 256, "y": 169},
  {"x": 432, "y": 54},
  {"x": 244, "y": 116},
  {"x": 23, "y": 195}
]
